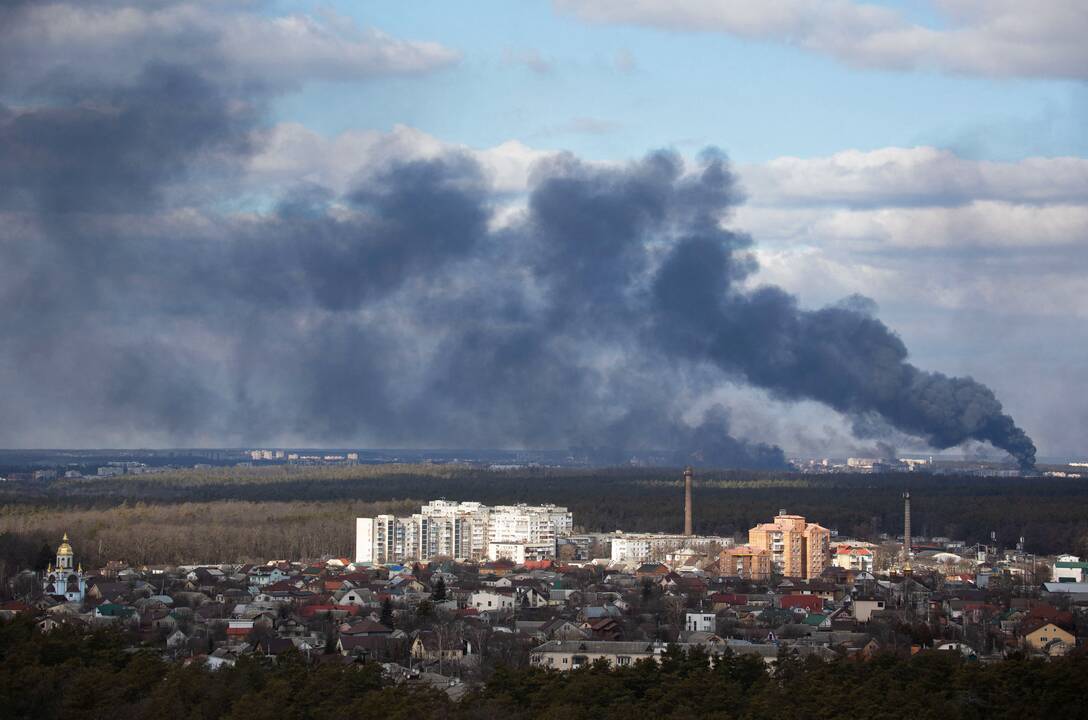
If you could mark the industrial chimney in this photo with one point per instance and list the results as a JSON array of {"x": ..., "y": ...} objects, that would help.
[
  {"x": 688, "y": 473},
  {"x": 906, "y": 533}
]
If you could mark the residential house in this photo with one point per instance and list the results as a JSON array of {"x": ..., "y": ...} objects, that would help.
[
  {"x": 700, "y": 622},
  {"x": 370, "y": 647},
  {"x": 809, "y": 603},
  {"x": 651, "y": 570},
  {"x": 1040, "y": 635},
  {"x": 853, "y": 557},
  {"x": 428, "y": 646},
  {"x": 562, "y": 629},
  {"x": 569, "y": 655},
  {"x": 603, "y": 629},
  {"x": 865, "y": 607},
  {"x": 357, "y": 596},
  {"x": 365, "y": 628},
  {"x": 491, "y": 601}
]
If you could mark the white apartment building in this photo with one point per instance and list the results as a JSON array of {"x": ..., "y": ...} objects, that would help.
[
  {"x": 520, "y": 552},
  {"x": 655, "y": 547},
  {"x": 463, "y": 530}
]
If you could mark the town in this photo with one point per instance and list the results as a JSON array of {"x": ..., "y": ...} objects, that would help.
[{"x": 442, "y": 597}]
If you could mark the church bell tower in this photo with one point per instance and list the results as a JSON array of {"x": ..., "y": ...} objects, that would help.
[{"x": 65, "y": 579}]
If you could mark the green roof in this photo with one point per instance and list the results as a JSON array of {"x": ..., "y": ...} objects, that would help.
[
  {"x": 815, "y": 619},
  {"x": 1071, "y": 564},
  {"x": 114, "y": 610}
]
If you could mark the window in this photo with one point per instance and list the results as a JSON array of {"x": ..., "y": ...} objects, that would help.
[{"x": 623, "y": 660}]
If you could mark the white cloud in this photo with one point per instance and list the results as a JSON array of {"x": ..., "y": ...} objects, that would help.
[
  {"x": 914, "y": 176},
  {"x": 980, "y": 225},
  {"x": 927, "y": 286},
  {"x": 115, "y": 40},
  {"x": 291, "y": 153},
  {"x": 986, "y": 37}
]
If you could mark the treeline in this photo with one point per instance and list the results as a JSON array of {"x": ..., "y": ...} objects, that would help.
[
  {"x": 298, "y": 512},
  {"x": 66, "y": 674},
  {"x": 184, "y": 533}
]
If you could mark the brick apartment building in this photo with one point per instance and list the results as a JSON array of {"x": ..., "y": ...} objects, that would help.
[{"x": 797, "y": 548}]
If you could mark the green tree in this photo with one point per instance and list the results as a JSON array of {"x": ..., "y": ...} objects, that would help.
[{"x": 387, "y": 613}]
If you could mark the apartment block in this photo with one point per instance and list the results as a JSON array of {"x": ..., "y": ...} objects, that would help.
[
  {"x": 745, "y": 562},
  {"x": 464, "y": 531},
  {"x": 655, "y": 547},
  {"x": 797, "y": 548}
]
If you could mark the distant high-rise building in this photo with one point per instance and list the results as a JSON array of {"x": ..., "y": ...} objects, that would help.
[
  {"x": 797, "y": 548},
  {"x": 463, "y": 530}
]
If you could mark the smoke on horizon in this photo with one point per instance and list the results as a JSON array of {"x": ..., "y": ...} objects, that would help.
[{"x": 144, "y": 297}]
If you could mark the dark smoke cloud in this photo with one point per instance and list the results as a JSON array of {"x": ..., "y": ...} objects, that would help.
[
  {"x": 148, "y": 302},
  {"x": 837, "y": 355}
]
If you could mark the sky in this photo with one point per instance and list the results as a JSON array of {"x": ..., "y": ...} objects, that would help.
[{"x": 245, "y": 222}]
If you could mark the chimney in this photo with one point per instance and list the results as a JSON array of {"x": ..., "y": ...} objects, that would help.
[
  {"x": 687, "y": 499},
  {"x": 906, "y": 533}
]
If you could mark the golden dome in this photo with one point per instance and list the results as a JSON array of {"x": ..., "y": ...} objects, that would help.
[{"x": 65, "y": 548}]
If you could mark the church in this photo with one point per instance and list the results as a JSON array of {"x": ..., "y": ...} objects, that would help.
[{"x": 64, "y": 580}]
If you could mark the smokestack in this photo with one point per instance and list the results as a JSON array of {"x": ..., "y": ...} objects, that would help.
[
  {"x": 687, "y": 499},
  {"x": 906, "y": 533}
]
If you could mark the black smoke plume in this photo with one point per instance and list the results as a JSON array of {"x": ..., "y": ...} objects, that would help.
[
  {"x": 840, "y": 355},
  {"x": 146, "y": 303}
]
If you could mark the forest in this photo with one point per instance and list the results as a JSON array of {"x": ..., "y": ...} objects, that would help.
[
  {"x": 244, "y": 514},
  {"x": 67, "y": 673}
]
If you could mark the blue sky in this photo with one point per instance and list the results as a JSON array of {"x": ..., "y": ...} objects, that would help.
[{"x": 528, "y": 72}]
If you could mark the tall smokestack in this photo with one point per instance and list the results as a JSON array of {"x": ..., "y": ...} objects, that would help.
[
  {"x": 687, "y": 499},
  {"x": 906, "y": 533}
]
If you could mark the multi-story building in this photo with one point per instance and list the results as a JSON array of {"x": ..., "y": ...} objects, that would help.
[
  {"x": 1069, "y": 568},
  {"x": 452, "y": 529},
  {"x": 745, "y": 562},
  {"x": 463, "y": 530},
  {"x": 700, "y": 622},
  {"x": 798, "y": 548},
  {"x": 853, "y": 556},
  {"x": 654, "y": 547}
]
